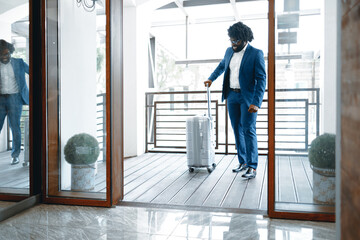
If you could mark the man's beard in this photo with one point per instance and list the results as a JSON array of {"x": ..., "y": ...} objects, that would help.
[
  {"x": 240, "y": 47},
  {"x": 5, "y": 61}
]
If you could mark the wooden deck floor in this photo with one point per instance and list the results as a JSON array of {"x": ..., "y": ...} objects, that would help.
[
  {"x": 164, "y": 179},
  {"x": 13, "y": 178}
]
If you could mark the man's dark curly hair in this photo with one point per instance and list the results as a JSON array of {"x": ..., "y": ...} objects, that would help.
[
  {"x": 5, "y": 45},
  {"x": 240, "y": 31}
]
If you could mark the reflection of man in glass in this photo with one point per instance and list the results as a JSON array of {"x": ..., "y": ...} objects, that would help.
[
  {"x": 14, "y": 93},
  {"x": 243, "y": 87}
]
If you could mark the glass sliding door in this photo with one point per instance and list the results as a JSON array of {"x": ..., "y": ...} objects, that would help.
[
  {"x": 14, "y": 100},
  {"x": 304, "y": 161},
  {"x": 76, "y": 47}
]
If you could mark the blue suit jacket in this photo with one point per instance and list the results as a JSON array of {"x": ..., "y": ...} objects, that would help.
[
  {"x": 252, "y": 75},
  {"x": 20, "y": 68}
]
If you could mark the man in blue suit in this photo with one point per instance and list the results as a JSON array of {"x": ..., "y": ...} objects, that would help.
[
  {"x": 14, "y": 93},
  {"x": 243, "y": 87}
]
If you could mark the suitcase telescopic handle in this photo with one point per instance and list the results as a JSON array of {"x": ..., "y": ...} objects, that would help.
[{"x": 208, "y": 101}]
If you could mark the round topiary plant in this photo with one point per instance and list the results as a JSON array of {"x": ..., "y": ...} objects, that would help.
[
  {"x": 322, "y": 151},
  {"x": 81, "y": 149}
]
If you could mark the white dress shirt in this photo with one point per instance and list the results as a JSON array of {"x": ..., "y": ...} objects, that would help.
[
  {"x": 8, "y": 84},
  {"x": 235, "y": 63}
]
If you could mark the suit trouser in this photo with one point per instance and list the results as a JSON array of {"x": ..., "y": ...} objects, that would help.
[
  {"x": 11, "y": 106},
  {"x": 244, "y": 126}
]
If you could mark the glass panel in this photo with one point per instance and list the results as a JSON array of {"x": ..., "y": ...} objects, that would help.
[
  {"x": 207, "y": 42},
  {"x": 304, "y": 162},
  {"x": 14, "y": 97},
  {"x": 77, "y": 147}
]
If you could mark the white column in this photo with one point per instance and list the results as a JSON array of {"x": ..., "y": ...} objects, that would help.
[
  {"x": 137, "y": 20},
  {"x": 130, "y": 82},
  {"x": 329, "y": 69}
]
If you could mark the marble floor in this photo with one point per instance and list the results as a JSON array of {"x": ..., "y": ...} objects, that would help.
[{"x": 73, "y": 222}]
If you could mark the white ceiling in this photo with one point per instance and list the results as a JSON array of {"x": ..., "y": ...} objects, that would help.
[{"x": 6, "y": 5}]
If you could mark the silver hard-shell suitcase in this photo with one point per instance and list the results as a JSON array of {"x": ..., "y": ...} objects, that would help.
[{"x": 200, "y": 140}]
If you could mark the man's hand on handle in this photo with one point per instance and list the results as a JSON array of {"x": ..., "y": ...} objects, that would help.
[
  {"x": 253, "y": 108},
  {"x": 208, "y": 83}
]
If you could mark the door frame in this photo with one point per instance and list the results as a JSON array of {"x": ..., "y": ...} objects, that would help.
[
  {"x": 272, "y": 212},
  {"x": 114, "y": 106}
]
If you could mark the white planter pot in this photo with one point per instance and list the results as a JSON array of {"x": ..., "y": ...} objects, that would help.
[
  {"x": 82, "y": 177},
  {"x": 324, "y": 186}
]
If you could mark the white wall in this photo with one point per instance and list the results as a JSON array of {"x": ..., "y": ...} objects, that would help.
[
  {"x": 130, "y": 82},
  {"x": 328, "y": 61},
  {"x": 78, "y": 76},
  {"x": 137, "y": 20},
  {"x": 136, "y": 37}
]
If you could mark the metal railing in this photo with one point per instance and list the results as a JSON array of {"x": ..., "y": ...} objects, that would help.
[
  {"x": 101, "y": 124},
  {"x": 296, "y": 120}
]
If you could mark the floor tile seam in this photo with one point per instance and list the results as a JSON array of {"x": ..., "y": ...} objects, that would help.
[
  {"x": 180, "y": 221},
  {"x": 131, "y": 232},
  {"x": 19, "y": 224},
  {"x": 95, "y": 228}
]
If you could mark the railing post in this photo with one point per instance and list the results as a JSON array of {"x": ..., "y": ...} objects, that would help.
[
  {"x": 317, "y": 112},
  {"x": 171, "y": 99},
  {"x": 217, "y": 124},
  {"x": 226, "y": 130},
  {"x": 155, "y": 124},
  {"x": 104, "y": 128},
  {"x": 146, "y": 123},
  {"x": 186, "y": 97},
  {"x": 306, "y": 124}
]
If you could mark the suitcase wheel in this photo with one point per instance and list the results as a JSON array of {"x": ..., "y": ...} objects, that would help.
[
  {"x": 191, "y": 169},
  {"x": 209, "y": 170},
  {"x": 214, "y": 165}
]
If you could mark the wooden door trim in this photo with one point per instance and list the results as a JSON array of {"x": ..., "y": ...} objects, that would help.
[
  {"x": 115, "y": 88},
  {"x": 51, "y": 128},
  {"x": 271, "y": 130}
]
